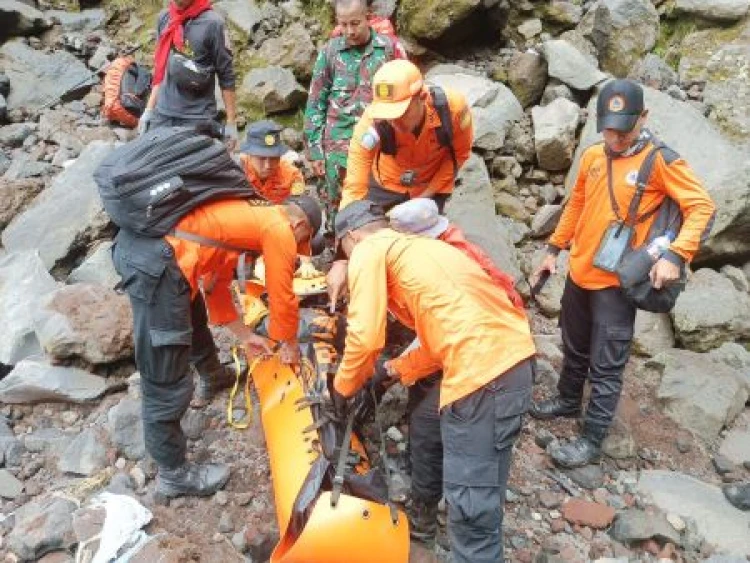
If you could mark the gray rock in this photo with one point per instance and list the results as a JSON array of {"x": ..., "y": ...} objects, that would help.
[
  {"x": 19, "y": 18},
  {"x": 527, "y": 77},
  {"x": 554, "y": 91},
  {"x": 736, "y": 445},
  {"x": 125, "y": 425},
  {"x": 24, "y": 167},
  {"x": 545, "y": 220},
  {"x": 15, "y": 196},
  {"x": 10, "y": 487},
  {"x": 193, "y": 423},
  {"x": 435, "y": 20},
  {"x": 570, "y": 66},
  {"x": 732, "y": 199},
  {"x": 653, "y": 333},
  {"x": 85, "y": 321},
  {"x": 721, "y": 524},
  {"x": 39, "y": 78},
  {"x": 589, "y": 477},
  {"x": 722, "y": 464},
  {"x": 85, "y": 20},
  {"x": 51, "y": 441},
  {"x": 272, "y": 88},
  {"x": 34, "y": 379},
  {"x": 548, "y": 299},
  {"x": 634, "y": 525},
  {"x": 726, "y": 92},
  {"x": 86, "y": 454},
  {"x": 494, "y": 108},
  {"x": 15, "y": 134},
  {"x": 64, "y": 128},
  {"x": 530, "y": 28},
  {"x": 226, "y": 526},
  {"x": 293, "y": 49},
  {"x": 563, "y": 14},
  {"x": 97, "y": 268},
  {"x": 737, "y": 277},
  {"x": 248, "y": 15},
  {"x": 724, "y": 10},
  {"x": 42, "y": 526},
  {"x": 25, "y": 281},
  {"x": 654, "y": 72},
  {"x": 554, "y": 133},
  {"x": 711, "y": 312},
  {"x": 66, "y": 217}
]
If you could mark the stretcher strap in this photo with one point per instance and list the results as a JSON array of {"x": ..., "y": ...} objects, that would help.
[
  {"x": 384, "y": 458},
  {"x": 338, "y": 479}
]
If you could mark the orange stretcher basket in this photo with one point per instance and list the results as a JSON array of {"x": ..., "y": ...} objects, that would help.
[{"x": 355, "y": 530}]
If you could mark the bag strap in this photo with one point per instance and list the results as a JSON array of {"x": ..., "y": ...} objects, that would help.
[
  {"x": 445, "y": 131},
  {"x": 641, "y": 182}
]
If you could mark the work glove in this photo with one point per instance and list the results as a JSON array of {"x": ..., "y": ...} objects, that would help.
[
  {"x": 372, "y": 393},
  {"x": 231, "y": 137},
  {"x": 144, "y": 121},
  {"x": 307, "y": 271}
]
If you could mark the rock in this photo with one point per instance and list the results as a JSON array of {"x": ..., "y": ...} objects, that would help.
[
  {"x": 221, "y": 498},
  {"x": 25, "y": 281},
  {"x": 563, "y": 14},
  {"x": 435, "y": 19},
  {"x": 15, "y": 196},
  {"x": 494, "y": 108},
  {"x": 66, "y": 217},
  {"x": 736, "y": 444},
  {"x": 726, "y": 92},
  {"x": 654, "y": 72},
  {"x": 545, "y": 220},
  {"x": 39, "y": 78},
  {"x": 710, "y": 312},
  {"x": 138, "y": 477},
  {"x": 4, "y": 85},
  {"x": 248, "y": 15},
  {"x": 19, "y": 18},
  {"x": 293, "y": 49},
  {"x": 653, "y": 333},
  {"x": 120, "y": 484},
  {"x": 64, "y": 128},
  {"x": 619, "y": 443},
  {"x": 88, "y": 522},
  {"x": 34, "y": 379},
  {"x": 589, "y": 477},
  {"x": 548, "y": 299},
  {"x": 723, "y": 10},
  {"x": 272, "y": 88},
  {"x": 97, "y": 268},
  {"x": 530, "y": 28},
  {"x": 732, "y": 199},
  {"x": 554, "y": 133},
  {"x": 85, "y": 20},
  {"x": 15, "y": 134},
  {"x": 549, "y": 500},
  {"x": 85, "y": 321},
  {"x": 527, "y": 77},
  {"x": 623, "y": 31},
  {"x": 722, "y": 464},
  {"x": 699, "y": 392},
  {"x": 737, "y": 277},
  {"x": 570, "y": 66},
  {"x": 720, "y": 524},
  {"x": 10, "y": 487},
  {"x": 634, "y": 525},
  {"x": 42, "y": 526},
  {"x": 125, "y": 426},
  {"x": 50, "y": 441},
  {"x": 226, "y": 525},
  {"x": 587, "y": 513},
  {"x": 507, "y": 205},
  {"x": 86, "y": 454}
]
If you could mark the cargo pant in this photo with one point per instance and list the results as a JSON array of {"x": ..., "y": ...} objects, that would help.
[
  {"x": 170, "y": 330},
  {"x": 425, "y": 439},
  {"x": 597, "y": 333},
  {"x": 479, "y": 431},
  {"x": 329, "y": 191}
]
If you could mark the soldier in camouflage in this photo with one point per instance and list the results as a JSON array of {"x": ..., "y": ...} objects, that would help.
[{"x": 340, "y": 89}]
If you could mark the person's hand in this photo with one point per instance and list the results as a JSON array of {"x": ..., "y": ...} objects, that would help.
[
  {"x": 144, "y": 121},
  {"x": 307, "y": 271},
  {"x": 335, "y": 404},
  {"x": 336, "y": 281},
  {"x": 256, "y": 345},
  {"x": 549, "y": 264},
  {"x": 289, "y": 353},
  {"x": 318, "y": 167},
  {"x": 231, "y": 137},
  {"x": 663, "y": 273}
]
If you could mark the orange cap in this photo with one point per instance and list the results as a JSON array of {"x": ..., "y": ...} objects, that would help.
[{"x": 393, "y": 87}]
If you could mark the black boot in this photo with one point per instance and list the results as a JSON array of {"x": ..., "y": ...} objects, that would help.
[
  {"x": 210, "y": 383},
  {"x": 557, "y": 406},
  {"x": 581, "y": 451},
  {"x": 192, "y": 479},
  {"x": 738, "y": 494},
  {"x": 423, "y": 522}
]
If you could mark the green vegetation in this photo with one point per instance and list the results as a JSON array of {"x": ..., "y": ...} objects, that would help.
[
  {"x": 672, "y": 32},
  {"x": 321, "y": 11}
]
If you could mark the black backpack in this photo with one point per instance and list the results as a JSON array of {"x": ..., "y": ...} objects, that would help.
[{"x": 150, "y": 183}]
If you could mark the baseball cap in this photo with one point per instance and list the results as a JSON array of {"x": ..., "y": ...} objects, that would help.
[
  {"x": 418, "y": 216},
  {"x": 264, "y": 139},
  {"x": 393, "y": 86},
  {"x": 356, "y": 215},
  {"x": 310, "y": 207},
  {"x": 619, "y": 105}
]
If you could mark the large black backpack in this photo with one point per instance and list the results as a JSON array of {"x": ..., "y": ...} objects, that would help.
[{"x": 150, "y": 183}]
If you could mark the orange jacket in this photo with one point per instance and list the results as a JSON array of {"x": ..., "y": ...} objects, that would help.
[
  {"x": 464, "y": 324},
  {"x": 255, "y": 227},
  {"x": 589, "y": 212},
  {"x": 431, "y": 162},
  {"x": 285, "y": 181}
]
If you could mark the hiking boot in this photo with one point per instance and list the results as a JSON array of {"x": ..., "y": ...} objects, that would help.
[
  {"x": 577, "y": 453},
  {"x": 423, "y": 522},
  {"x": 209, "y": 384},
  {"x": 192, "y": 479},
  {"x": 738, "y": 494},
  {"x": 555, "y": 407}
]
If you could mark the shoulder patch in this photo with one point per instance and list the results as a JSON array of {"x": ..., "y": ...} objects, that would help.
[
  {"x": 464, "y": 118},
  {"x": 369, "y": 139},
  {"x": 669, "y": 155}
]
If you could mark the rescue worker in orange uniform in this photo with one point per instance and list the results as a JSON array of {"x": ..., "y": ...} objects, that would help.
[
  {"x": 596, "y": 319},
  {"x": 167, "y": 280},
  {"x": 467, "y": 328},
  {"x": 260, "y": 157}
]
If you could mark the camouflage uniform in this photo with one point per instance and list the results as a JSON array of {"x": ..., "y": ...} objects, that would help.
[{"x": 340, "y": 90}]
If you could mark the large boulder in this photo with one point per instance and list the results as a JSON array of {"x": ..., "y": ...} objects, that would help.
[
  {"x": 19, "y": 18},
  {"x": 555, "y": 128},
  {"x": 710, "y": 312},
  {"x": 273, "y": 89},
  {"x": 726, "y": 92},
  {"x": 432, "y": 20},
  {"x": 65, "y": 129},
  {"x": 23, "y": 282},
  {"x": 15, "y": 196},
  {"x": 653, "y": 333},
  {"x": 723, "y": 10},
  {"x": 41, "y": 526},
  {"x": 86, "y": 454},
  {"x": 527, "y": 77},
  {"x": 97, "y": 268},
  {"x": 86, "y": 321},
  {"x": 293, "y": 49},
  {"x": 472, "y": 208},
  {"x": 622, "y": 31},
  {"x": 125, "y": 424},
  {"x": 35, "y": 380},
  {"x": 736, "y": 445},
  {"x": 66, "y": 217},
  {"x": 85, "y": 20},
  {"x": 571, "y": 66},
  {"x": 494, "y": 108},
  {"x": 248, "y": 15},
  {"x": 39, "y": 78}
]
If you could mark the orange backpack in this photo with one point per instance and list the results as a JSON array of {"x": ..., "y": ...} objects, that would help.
[{"x": 126, "y": 89}]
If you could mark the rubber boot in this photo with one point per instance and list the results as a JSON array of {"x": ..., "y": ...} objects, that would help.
[
  {"x": 423, "y": 522},
  {"x": 192, "y": 479},
  {"x": 209, "y": 384},
  {"x": 738, "y": 494},
  {"x": 555, "y": 407},
  {"x": 583, "y": 450}
]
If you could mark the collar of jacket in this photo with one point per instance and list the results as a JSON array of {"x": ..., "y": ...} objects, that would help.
[
  {"x": 376, "y": 40},
  {"x": 643, "y": 140}
]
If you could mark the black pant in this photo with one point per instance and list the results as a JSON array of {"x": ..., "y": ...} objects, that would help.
[
  {"x": 597, "y": 332},
  {"x": 170, "y": 331},
  {"x": 388, "y": 199},
  {"x": 425, "y": 439}
]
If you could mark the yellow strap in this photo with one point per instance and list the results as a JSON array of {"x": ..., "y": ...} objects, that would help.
[{"x": 233, "y": 393}]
